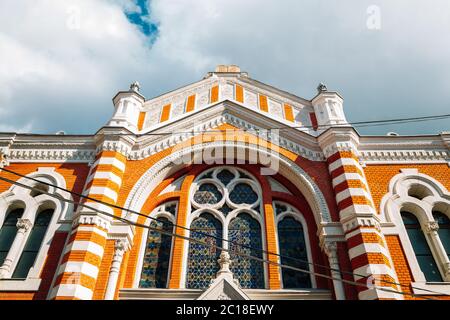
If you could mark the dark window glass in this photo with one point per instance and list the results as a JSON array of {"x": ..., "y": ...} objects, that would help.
[
  {"x": 292, "y": 244},
  {"x": 243, "y": 193},
  {"x": 33, "y": 244},
  {"x": 202, "y": 260},
  {"x": 421, "y": 249},
  {"x": 8, "y": 232},
  {"x": 225, "y": 176},
  {"x": 244, "y": 230},
  {"x": 157, "y": 255},
  {"x": 444, "y": 230}
]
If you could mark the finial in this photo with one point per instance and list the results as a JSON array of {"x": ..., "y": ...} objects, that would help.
[
  {"x": 321, "y": 88},
  {"x": 135, "y": 86}
]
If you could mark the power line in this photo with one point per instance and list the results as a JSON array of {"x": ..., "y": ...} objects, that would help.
[
  {"x": 199, "y": 232},
  {"x": 171, "y": 234}
]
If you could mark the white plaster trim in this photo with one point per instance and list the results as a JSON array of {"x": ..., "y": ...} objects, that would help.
[
  {"x": 351, "y": 192},
  {"x": 72, "y": 290},
  {"x": 85, "y": 246},
  {"x": 348, "y": 176},
  {"x": 343, "y": 162},
  {"x": 101, "y": 191},
  {"x": 90, "y": 229},
  {"x": 440, "y": 288},
  {"x": 104, "y": 175},
  {"x": 373, "y": 269},
  {"x": 28, "y": 284},
  {"x": 79, "y": 267},
  {"x": 363, "y": 230},
  {"x": 110, "y": 161},
  {"x": 364, "y": 248}
]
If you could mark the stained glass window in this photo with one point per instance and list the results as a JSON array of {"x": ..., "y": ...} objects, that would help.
[
  {"x": 245, "y": 230},
  {"x": 225, "y": 176},
  {"x": 444, "y": 230},
  {"x": 279, "y": 208},
  {"x": 292, "y": 244},
  {"x": 157, "y": 255},
  {"x": 8, "y": 232},
  {"x": 33, "y": 244},
  {"x": 202, "y": 260},
  {"x": 172, "y": 208},
  {"x": 420, "y": 246},
  {"x": 243, "y": 193},
  {"x": 207, "y": 193}
]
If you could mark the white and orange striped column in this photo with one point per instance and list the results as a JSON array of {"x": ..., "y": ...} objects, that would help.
[
  {"x": 79, "y": 268},
  {"x": 369, "y": 257}
]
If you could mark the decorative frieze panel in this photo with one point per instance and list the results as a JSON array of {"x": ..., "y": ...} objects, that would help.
[
  {"x": 214, "y": 123},
  {"x": 51, "y": 155},
  {"x": 430, "y": 156}
]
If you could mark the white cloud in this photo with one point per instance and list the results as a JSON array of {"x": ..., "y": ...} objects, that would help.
[{"x": 59, "y": 78}]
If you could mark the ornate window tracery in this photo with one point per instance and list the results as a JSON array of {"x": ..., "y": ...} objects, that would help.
[{"x": 232, "y": 197}]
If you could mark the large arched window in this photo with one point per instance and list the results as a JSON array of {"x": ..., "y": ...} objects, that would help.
[
  {"x": 232, "y": 198},
  {"x": 8, "y": 232},
  {"x": 156, "y": 264},
  {"x": 33, "y": 244},
  {"x": 421, "y": 248},
  {"x": 202, "y": 260},
  {"x": 292, "y": 247}
]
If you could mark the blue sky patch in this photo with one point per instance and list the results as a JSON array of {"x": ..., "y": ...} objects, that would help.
[{"x": 142, "y": 19}]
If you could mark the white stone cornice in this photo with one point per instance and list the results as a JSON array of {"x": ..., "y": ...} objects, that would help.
[
  {"x": 339, "y": 139},
  {"x": 92, "y": 218}
]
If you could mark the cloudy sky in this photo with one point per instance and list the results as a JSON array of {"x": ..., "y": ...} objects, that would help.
[{"x": 61, "y": 62}]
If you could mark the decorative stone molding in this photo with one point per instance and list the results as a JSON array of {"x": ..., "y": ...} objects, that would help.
[
  {"x": 51, "y": 155},
  {"x": 23, "y": 225},
  {"x": 431, "y": 226},
  {"x": 357, "y": 222},
  {"x": 213, "y": 123},
  {"x": 393, "y": 156},
  {"x": 94, "y": 218},
  {"x": 140, "y": 189}
]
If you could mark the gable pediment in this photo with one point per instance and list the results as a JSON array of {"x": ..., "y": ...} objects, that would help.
[
  {"x": 244, "y": 91},
  {"x": 212, "y": 119}
]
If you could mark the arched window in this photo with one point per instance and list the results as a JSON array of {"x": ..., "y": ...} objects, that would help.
[
  {"x": 245, "y": 230},
  {"x": 157, "y": 255},
  {"x": 202, "y": 260},
  {"x": 8, "y": 232},
  {"x": 291, "y": 239},
  {"x": 420, "y": 246},
  {"x": 234, "y": 197},
  {"x": 444, "y": 230},
  {"x": 33, "y": 244}
]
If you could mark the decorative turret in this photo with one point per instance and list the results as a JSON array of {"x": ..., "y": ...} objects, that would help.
[
  {"x": 328, "y": 107},
  {"x": 128, "y": 105}
]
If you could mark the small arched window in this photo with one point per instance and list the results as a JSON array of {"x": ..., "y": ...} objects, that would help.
[
  {"x": 292, "y": 244},
  {"x": 33, "y": 244},
  {"x": 202, "y": 260},
  {"x": 157, "y": 255},
  {"x": 444, "y": 230},
  {"x": 8, "y": 232},
  {"x": 421, "y": 248}
]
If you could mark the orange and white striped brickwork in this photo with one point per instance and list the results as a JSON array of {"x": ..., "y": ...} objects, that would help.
[
  {"x": 77, "y": 275},
  {"x": 367, "y": 248},
  {"x": 342, "y": 183}
]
